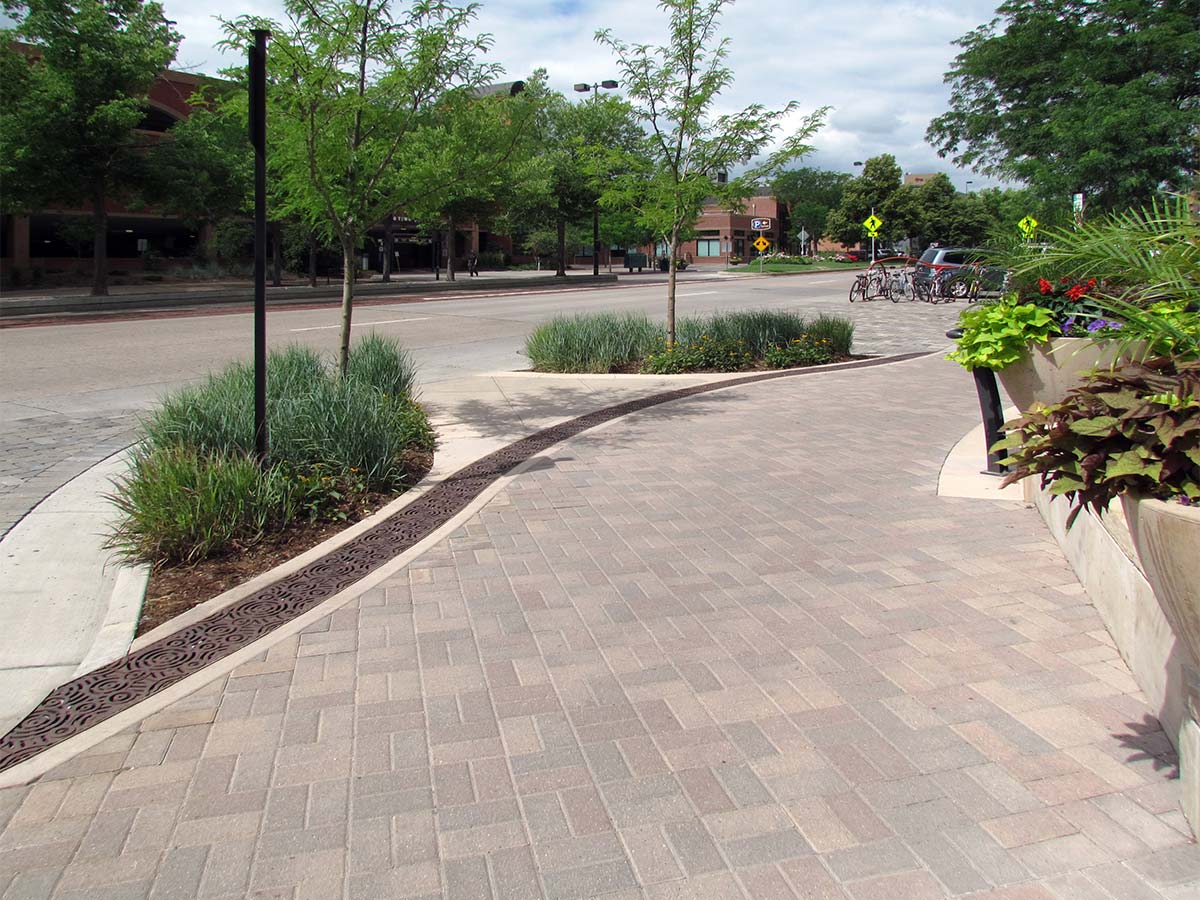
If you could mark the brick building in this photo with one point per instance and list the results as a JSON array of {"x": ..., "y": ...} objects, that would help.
[
  {"x": 722, "y": 235},
  {"x": 35, "y": 243}
]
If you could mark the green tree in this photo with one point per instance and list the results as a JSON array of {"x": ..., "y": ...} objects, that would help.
[
  {"x": 872, "y": 190},
  {"x": 204, "y": 164},
  {"x": 349, "y": 85},
  {"x": 810, "y": 195},
  {"x": 673, "y": 88},
  {"x": 1097, "y": 96},
  {"x": 467, "y": 157},
  {"x": 70, "y": 108},
  {"x": 572, "y": 151}
]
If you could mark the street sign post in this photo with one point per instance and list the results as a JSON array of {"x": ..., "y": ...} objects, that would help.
[
  {"x": 761, "y": 244},
  {"x": 760, "y": 224},
  {"x": 872, "y": 223}
]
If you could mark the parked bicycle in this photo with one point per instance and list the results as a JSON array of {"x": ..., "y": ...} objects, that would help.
[{"x": 872, "y": 284}]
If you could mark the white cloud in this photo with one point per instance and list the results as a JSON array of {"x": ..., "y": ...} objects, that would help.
[{"x": 879, "y": 64}]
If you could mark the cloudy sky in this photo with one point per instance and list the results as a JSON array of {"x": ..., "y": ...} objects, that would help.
[{"x": 878, "y": 64}]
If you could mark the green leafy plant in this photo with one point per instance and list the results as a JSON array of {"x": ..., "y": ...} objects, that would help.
[
  {"x": 707, "y": 354},
  {"x": 805, "y": 350},
  {"x": 1134, "y": 429},
  {"x": 995, "y": 335},
  {"x": 182, "y": 504}
]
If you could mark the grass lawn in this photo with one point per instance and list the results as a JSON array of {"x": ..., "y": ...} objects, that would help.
[{"x": 792, "y": 268}]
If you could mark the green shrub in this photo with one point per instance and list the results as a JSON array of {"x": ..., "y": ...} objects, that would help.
[
  {"x": 757, "y": 329},
  {"x": 383, "y": 364},
  {"x": 329, "y": 438},
  {"x": 182, "y": 505},
  {"x": 805, "y": 350},
  {"x": 839, "y": 332},
  {"x": 706, "y": 354},
  {"x": 592, "y": 343},
  {"x": 995, "y": 335}
]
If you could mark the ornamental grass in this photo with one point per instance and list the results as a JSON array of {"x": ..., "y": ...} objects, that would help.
[{"x": 194, "y": 489}]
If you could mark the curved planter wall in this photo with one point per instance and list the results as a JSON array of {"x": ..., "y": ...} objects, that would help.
[{"x": 1133, "y": 616}]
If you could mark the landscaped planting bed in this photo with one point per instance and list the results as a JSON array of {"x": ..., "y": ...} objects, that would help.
[
  {"x": 199, "y": 509},
  {"x": 722, "y": 342}
]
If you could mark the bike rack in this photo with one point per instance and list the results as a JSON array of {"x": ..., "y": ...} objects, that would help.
[{"x": 991, "y": 410}]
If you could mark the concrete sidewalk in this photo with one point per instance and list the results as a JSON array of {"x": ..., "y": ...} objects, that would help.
[{"x": 732, "y": 646}]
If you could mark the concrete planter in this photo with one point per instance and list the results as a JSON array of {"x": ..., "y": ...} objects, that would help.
[
  {"x": 1048, "y": 370},
  {"x": 1167, "y": 538}
]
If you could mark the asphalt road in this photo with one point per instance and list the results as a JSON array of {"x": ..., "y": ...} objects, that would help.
[{"x": 70, "y": 394}]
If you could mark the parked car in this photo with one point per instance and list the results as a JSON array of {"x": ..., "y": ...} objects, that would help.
[{"x": 936, "y": 260}]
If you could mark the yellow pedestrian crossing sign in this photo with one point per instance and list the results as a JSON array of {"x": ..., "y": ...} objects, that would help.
[
  {"x": 1028, "y": 226},
  {"x": 762, "y": 244},
  {"x": 872, "y": 224}
]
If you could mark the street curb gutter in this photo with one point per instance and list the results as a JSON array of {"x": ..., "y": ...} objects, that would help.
[{"x": 25, "y": 307}]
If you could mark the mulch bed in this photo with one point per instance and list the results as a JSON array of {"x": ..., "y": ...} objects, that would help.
[{"x": 176, "y": 589}]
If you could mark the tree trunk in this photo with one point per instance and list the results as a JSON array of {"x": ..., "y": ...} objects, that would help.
[
  {"x": 312, "y": 260},
  {"x": 276, "y": 254},
  {"x": 450, "y": 242},
  {"x": 387, "y": 249},
  {"x": 348, "y": 262},
  {"x": 562, "y": 248},
  {"x": 674, "y": 243},
  {"x": 99, "y": 244}
]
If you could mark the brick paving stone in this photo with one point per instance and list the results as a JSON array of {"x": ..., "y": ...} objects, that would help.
[{"x": 776, "y": 668}]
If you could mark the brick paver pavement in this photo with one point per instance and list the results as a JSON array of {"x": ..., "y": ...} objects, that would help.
[{"x": 730, "y": 647}]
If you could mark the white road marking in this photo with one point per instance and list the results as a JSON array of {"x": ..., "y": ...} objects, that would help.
[
  {"x": 361, "y": 324},
  {"x": 696, "y": 294}
]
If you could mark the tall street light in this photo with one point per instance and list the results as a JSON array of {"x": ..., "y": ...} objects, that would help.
[{"x": 583, "y": 88}]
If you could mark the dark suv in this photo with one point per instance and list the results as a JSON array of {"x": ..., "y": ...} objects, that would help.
[{"x": 938, "y": 260}]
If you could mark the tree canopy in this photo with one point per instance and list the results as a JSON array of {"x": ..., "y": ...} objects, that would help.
[
  {"x": 349, "y": 86},
  {"x": 1097, "y": 96},
  {"x": 673, "y": 88},
  {"x": 810, "y": 195},
  {"x": 872, "y": 190}
]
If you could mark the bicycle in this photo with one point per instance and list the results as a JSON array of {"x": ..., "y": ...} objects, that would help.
[
  {"x": 870, "y": 285},
  {"x": 901, "y": 285}
]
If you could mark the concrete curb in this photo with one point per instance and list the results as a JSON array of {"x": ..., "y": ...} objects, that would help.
[{"x": 23, "y": 307}]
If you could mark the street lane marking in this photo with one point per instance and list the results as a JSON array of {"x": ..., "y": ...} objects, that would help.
[
  {"x": 696, "y": 294},
  {"x": 360, "y": 324}
]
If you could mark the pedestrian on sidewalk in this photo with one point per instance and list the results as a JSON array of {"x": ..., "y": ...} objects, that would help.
[{"x": 473, "y": 263}]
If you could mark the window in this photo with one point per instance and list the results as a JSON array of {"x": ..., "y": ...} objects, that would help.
[{"x": 708, "y": 247}]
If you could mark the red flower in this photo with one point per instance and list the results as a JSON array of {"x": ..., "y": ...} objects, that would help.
[
  {"x": 1076, "y": 292},
  {"x": 1044, "y": 286}
]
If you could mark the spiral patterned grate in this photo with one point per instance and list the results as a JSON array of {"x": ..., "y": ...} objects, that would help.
[{"x": 79, "y": 704}]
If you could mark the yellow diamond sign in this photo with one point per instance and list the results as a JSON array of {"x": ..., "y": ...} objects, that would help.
[
  {"x": 762, "y": 244},
  {"x": 1028, "y": 226},
  {"x": 872, "y": 223}
]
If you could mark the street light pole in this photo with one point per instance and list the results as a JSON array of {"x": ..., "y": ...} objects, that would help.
[{"x": 583, "y": 88}]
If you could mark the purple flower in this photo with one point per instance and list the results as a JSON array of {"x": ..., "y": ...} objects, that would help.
[
  {"x": 1098, "y": 324},
  {"x": 1066, "y": 326}
]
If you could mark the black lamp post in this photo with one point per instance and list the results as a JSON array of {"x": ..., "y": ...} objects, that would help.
[
  {"x": 583, "y": 88},
  {"x": 258, "y": 138}
]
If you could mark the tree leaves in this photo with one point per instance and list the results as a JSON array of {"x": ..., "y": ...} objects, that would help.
[{"x": 1078, "y": 95}]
